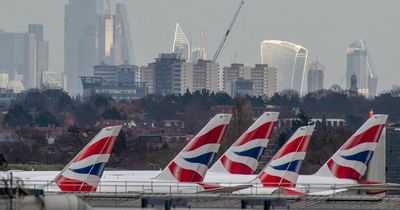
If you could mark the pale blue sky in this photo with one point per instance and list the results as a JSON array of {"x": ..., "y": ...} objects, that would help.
[{"x": 325, "y": 27}]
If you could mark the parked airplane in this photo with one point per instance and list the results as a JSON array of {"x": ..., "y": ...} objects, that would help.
[
  {"x": 188, "y": 167},
  {"x": 244, "y": 155},
  {"x": 83, "y": 173},
  {"x": 283, "y": 169},
  {"x": 346, "y": 168}
]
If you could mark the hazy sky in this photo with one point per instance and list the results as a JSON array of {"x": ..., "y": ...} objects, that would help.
[{"x": 324, "y": 27}]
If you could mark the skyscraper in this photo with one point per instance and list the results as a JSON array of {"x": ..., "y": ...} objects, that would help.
[
  {"x": 122, "y": 46},
  {"x": 315, "y": 80},
  {"x": 18, "y": 57},
  {"x": 81, "y": 40},
  {"x": 181, "y": 45},
  {"x": 42, "y": 52},
  {"x": 290, "y": 61},
  {"x": 359, "y": 64}
]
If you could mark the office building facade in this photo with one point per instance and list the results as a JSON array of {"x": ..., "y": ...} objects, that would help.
[
  {"x": 117, "y": 82},
  {"x": 181, "y": 45},
  {"x": 82, "y": 33},
  {"x": 359, "y": 64},
  {"x": 24, "y": 55},
  {"x": 290, "y": 61},
  {"x": 315, "y": 77}
]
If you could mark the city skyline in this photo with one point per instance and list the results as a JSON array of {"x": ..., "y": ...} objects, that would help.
[{"x": 325, "y": 33}]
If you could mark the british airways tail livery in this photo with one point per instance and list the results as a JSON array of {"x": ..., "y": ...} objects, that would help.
[
  {"x": 191, "y": 164},
  {"x": 244, "y": 155},
  {"x": 351, "y": 160},
  {"x": 83, "y": 173},
  {"x": 283, "y": 169}
]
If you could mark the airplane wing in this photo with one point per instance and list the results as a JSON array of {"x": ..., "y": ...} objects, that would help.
[{"x": 222, "y": 189}]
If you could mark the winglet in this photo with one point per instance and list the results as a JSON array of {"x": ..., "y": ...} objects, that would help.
[
  {"x": 283, "y": 169},
  {"x": 351, "y": 160},
  {"x": 244, "y": 155},
  {"x": 191, "y": 164},
  {"x": 83, "y": 173}
]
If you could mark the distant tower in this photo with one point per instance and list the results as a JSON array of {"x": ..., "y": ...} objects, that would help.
[
  {"x": 359, "y": 63},
  {"x": 123, "y": 47},
  {"x": 81, "y": 40},
  {"x": 290, "y": 61},
  {"x": 181, "y": 45},
  {"x": 353, "y": 86},
  {"x": 315, "y": 80}
]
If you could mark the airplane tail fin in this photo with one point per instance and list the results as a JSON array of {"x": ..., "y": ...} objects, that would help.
[
  {"x": 283, "y": 169},
  {"x": 351, "y": 160},
  {"x": 191, "y": 164},
  {"x": 243, "y": 156},
  {"x": 83, "y": 173}
]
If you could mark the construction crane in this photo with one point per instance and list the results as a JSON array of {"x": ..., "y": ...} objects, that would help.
[{"x": 221, "y": 45}]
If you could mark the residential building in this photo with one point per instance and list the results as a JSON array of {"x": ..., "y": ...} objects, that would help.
[
  {"x": 146, "y": 76},
  {"x": 264, "y": 80},
  {"x": 205, "y": 76},
  {"x": 168, "y": 74},
  {"x": 290, "y": 61},
  {"x": 242, "y": 87},
  {"x": 315, "y": 80},
  {"x": 231, "y": 73}
]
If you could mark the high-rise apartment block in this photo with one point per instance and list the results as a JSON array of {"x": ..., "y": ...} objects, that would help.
[
  {"x": 290, "y": 61},
  {"x": 146, "y": 76},
  {"x": 315, "y": 79},
  {"x": 359, "y": 64},
  {"x": 205, "y": 76},
  {"x": 262, "y": 76},
  {"x": 264, "y": 80},
  {"x": 168, "y": 74}
]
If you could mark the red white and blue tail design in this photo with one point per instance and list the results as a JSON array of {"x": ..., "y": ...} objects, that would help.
[
  {"x": 244, "y": 155},
  {"x": 83, "y": 173},
  {"x": 191, "y": 164},
  {"x": 351, "y": 160},
  {"x": 283, "y": 169}
]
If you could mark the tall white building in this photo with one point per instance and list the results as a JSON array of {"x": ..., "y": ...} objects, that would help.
[
  {"x": 181, "y": 45},
  {"x": 290, "y": 61},
  {"x": 359, "y": 64}
]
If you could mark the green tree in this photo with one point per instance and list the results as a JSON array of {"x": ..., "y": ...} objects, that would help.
[
  {"x": 17, "y": 116},
  {"x": 45, "y": 118}
]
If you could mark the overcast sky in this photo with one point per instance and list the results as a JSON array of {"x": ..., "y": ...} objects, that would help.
[{"x": 324, "y": 27}]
